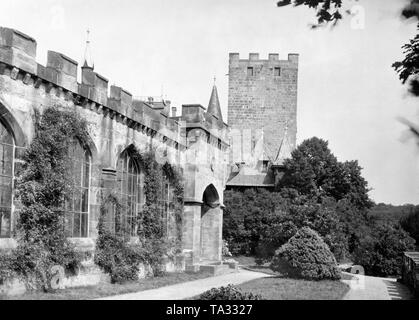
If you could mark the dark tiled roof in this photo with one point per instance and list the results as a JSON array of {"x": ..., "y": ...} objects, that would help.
[{"x": 251, "y": 180}]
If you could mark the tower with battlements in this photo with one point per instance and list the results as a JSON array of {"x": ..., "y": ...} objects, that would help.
[{"x": 262, "y": 117}]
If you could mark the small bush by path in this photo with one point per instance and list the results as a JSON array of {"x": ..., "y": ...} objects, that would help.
[{"x": 229, "y": 292}]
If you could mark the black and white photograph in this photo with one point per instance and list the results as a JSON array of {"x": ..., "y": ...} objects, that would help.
[{"x": 209, "y": 156}]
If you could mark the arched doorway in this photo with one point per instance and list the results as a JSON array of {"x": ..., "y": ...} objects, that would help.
[{"x": 211, "y": 226}]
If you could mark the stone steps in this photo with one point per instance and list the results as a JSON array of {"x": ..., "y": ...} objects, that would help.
[{"x": 215, "y": 268}]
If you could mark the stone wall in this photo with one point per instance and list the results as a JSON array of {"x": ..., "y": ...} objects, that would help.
[
  {"x": 410, "y": 271},
  {"x": 262, "y": 101},
  {"x": 196, "y": 141}
]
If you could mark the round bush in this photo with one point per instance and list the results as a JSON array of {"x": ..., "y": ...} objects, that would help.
[
  {"x": 306, "y": 256},
  {"x": 228, "y": 293}
]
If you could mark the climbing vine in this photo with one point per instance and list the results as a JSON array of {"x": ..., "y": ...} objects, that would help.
[
  {"x": 44, "y": 185},
  {"x": 116, "y": 254},
  {"x": 42, "y": 188}
]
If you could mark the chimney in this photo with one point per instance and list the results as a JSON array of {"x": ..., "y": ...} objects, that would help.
[{"x": 174, "y": 111}]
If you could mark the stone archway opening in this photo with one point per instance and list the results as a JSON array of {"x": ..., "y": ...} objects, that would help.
[{"x": 211, "y": 226}]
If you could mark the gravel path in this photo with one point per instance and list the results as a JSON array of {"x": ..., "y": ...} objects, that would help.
[
  {"x": 190, "y": 289},
  {"x": 375, "y": 288}
]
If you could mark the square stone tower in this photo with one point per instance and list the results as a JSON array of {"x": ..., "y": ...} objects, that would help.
[{"x": 262, "y": 112}]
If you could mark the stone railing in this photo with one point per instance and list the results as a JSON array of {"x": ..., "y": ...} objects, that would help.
[{"x": 410, "y": 271}]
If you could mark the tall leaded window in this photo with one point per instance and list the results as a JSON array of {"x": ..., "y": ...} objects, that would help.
[
  {"x": 6, "y": 181},
  {"x": 167, "y": 205},
  {"x": 131, "y": 182},
  {"x": 77, "y": 207}
]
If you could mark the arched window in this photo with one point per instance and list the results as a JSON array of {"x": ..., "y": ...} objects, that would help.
[
  {"x": 167, "y": 206},
  {"x": 6, "y": 181},
  {"x": 131, "y": 182},
  {"x": 77, "y": 207}
]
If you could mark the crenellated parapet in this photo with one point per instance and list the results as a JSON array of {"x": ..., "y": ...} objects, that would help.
[
  {"x": 272, "y": 57},
  {"x": 59, "y": 77}
]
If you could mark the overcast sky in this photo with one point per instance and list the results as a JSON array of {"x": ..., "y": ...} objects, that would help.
[{"x": 348, "y": 93}]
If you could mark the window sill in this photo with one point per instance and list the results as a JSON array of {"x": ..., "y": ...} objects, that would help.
[{"x": 83, "y": 244}]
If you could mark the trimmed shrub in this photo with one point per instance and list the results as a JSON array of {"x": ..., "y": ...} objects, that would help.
[
  {"x": 306, "y": 256},
  {"x": 319, "y": 215},
  {"x": 228, "y": 293}
]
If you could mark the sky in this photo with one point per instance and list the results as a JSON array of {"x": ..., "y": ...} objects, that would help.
[{"x": 348, "y": 94}]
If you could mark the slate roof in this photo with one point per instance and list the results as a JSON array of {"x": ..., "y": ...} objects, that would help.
[{"x": 253, "y": 179}]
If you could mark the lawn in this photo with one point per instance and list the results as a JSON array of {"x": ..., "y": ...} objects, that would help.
[
  {"x": 277, "y": 288},
  {"x": 106, "y": 289},
  {"x": 249, "y": 263}
]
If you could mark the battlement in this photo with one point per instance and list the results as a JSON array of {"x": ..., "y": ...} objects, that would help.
[
  {"x": 18, "y": 59},
  {"x": 254, "y": 57}
]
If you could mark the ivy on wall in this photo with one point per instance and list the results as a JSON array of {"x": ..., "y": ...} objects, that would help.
[
  {"x": 45, "y": 183},
  {"x": 116, "y": 253},
  {"x": 42, "y": 188}
]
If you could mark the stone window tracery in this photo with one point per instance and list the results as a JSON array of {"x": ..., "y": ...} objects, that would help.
[
  {"x": 131, "y": 186},
  {"x": 77, "y": 207},
  {"x": 6, "y": 180},
  {"x": 167, "y": 205}
]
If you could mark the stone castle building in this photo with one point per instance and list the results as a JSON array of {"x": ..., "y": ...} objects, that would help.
[
  {"x": 196, "y": 141},
  {"x": 262, "y": 117},
  {"x": 262, "y": 105}
]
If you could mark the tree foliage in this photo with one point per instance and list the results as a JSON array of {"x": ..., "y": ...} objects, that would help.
[
  {"x": 410, "y": 223},
  {"x": 321, "y": 217},
  {"x": 408, "y": 68},
  {"x": 328, "y": 11},
  {"x": 246, "y": 218},
  {"x": 314, "y": 171},
  {"x": 380, "y": 251}
]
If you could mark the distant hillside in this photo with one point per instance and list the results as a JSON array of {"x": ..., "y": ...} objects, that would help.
[{"x": 387, "y": 212}]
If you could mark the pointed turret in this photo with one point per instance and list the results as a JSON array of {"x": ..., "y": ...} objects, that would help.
[
  {"x": 214, "y": 104},
  {"x": 88, "y": 60}
]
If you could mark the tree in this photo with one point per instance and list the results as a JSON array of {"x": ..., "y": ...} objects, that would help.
[
  {"x": 410, "y": 224},
  {"x": 302, "y": 212},
  {"x": 247, "y": 216},
  {"x": 380, "y": 251},
  {"x": 328, "y": 11},
  {"x": 314, "y": 171}
]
